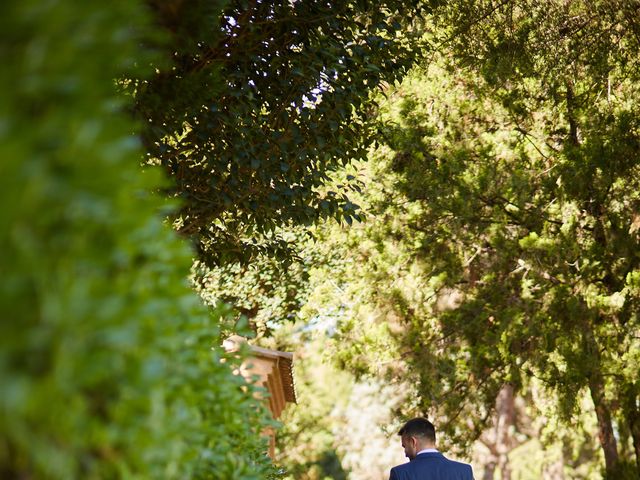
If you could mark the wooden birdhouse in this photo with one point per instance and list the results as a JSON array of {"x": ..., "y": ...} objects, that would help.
[{"x": 274, "y": 370}]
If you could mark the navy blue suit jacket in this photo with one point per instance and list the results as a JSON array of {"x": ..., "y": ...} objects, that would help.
[{"x": 432, "y": 466}]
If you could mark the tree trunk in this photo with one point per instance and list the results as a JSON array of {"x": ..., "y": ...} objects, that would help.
[
  {"x": 605, "y": 427},
  {"x": 632, "y": 414},
  {"x": 499, "y": 440},
  {"x": 489, "y": 470},
  {"x": 574, "y": 138},
  {"x": 505, "y": 421}
]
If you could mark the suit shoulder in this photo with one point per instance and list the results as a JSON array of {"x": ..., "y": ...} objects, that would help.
[
  {"x": 397, "y": 471},
  {"x": 461, "y": 466},
  {"x": 401, "y": 467}
]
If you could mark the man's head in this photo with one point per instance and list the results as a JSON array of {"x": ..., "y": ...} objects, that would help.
[{"x": 417, "y": 434}]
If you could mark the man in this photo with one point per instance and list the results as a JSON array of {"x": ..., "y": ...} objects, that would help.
[{"x": 426, "y": 463}]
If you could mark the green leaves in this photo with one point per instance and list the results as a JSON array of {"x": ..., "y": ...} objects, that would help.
[
  {"x": 287, "y": 87},
  {"x": 505, "y": 227},
  {"x": 110, "y": 365}
]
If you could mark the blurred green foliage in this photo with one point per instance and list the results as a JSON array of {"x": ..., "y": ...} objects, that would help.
[
  {"x": 340, "y": 427},
  {"x": 110, "y": 365},
  {"x": 307, "y": 443}
]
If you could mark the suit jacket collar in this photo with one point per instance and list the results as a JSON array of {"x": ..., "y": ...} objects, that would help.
[
  {"x": 429, "y": 455},
  {"x": 428, "y": 450}
]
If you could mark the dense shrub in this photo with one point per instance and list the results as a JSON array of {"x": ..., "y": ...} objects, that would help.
[{"x": 106, "y": 361}]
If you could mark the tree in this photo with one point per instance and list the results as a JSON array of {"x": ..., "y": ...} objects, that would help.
[
  {"x": 505, "y": 247},
  {"x": 110, "y": 365},
  {"x": 257, "y": 103},
  {"x": 571, "y": 63},
  {"x": 524, "y": 183},
  {"x": 265, "y": 293}
]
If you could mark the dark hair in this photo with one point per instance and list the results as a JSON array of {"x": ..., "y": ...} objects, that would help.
[{"x": 419, "y": 427}]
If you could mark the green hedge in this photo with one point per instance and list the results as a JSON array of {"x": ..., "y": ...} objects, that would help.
[{"x": 106, "y": 362}]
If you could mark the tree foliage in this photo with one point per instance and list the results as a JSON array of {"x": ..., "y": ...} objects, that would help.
[
  {"x": 264, "y": 292},
  {"x": 255, "y": 106},
  {"x": 506, "y": 245},
  {"x": 567, "y": 80},
  {"x": 109, "y": 363}
]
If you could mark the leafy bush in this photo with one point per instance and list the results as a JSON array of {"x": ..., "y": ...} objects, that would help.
[{"x": 109, "y": 363}]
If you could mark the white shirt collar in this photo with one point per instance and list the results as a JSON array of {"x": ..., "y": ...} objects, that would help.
[{"x": 427, "y": 450}]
